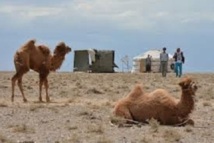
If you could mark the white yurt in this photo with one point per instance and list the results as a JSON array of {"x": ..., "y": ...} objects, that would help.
[{"x": 140, "y": 66}]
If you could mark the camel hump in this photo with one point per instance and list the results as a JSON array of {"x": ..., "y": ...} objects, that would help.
[
  {"x": 29, "y": 44},
  {"x": 136, "y": 91},
  {"x": 44, "y": 49},
  {"x": 32, "y": 41}
]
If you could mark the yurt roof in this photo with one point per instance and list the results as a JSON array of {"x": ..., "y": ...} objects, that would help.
[{"x": 154, "y": 53}]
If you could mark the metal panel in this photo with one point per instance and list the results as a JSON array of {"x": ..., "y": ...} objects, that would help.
[
  {"x": 104, "y": 62},
  {"x": 81, "y": 60}
]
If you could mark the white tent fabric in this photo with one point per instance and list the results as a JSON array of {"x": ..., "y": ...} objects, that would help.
[
  {"x": 155, "y": 54},
  {"x": 91, "y": 54}
]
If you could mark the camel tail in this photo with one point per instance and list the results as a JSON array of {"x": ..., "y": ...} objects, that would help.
[{"x": 136, "y": 91}]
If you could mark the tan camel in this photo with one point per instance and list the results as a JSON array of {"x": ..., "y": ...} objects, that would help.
[
  {"x": 159, "y": 104},
  {"x": 39, "y": 59}
]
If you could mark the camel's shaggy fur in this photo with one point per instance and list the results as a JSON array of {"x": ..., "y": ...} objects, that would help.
[
  {"x": 39, "y": 59},
  {"x": 159, "y": 104}
]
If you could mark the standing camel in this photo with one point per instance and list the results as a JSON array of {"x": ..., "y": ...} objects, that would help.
[{"x": 38, "y": 58}]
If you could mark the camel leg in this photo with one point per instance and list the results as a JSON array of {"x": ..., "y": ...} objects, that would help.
[
  {"x": 13, "y": 80},
  {"x": 46, "y": 89},
  {"x": 41, "y": 81},
  {"x": 186, "y": 122},
  {"x": 21, "y": 88},
  {"x": 21, "y": 62},
  {"x": 18, "y": 77}
]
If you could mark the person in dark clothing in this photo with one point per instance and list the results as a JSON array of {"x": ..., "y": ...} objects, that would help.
[{"x": 148, "y": 63}]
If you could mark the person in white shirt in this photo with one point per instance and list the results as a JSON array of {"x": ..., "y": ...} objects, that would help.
[
  {"x": 179, "y": 60},
  {"x": 164, "y": 57}
]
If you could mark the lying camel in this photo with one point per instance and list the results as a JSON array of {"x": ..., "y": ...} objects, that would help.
[
  {"x": 38, "y": 58},
  {"x": 159, "y": 104}
]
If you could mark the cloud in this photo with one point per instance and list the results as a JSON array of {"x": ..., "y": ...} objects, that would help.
[
  {"x": 28, "y": 12},
  {"x": 152, "y": 16},
  {"x": 144, "y": 15}
]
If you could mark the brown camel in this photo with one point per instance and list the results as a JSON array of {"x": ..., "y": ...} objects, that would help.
[
  {"x": 39, "y": 59},
  {"x": 159, "y": 104}
]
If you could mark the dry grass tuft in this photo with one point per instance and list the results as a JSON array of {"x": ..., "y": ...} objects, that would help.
[
  {"x": 85, "y": 113},
  {"x": 2, "y": 104},
  {"x": 63, "y": 93},
  {"x": 154, "y": 124},
  {"x": 207, "y": 104},
  {"x": 27, "y": 142},
  {"x": 104, "y": 139},
  {"x": 22, "y": 129},
  {"x": 208, "y": 94},
  {"x": 172, "y": 136},
  {"x": 36, "y": 107},
  {"x": 74, "y": 139},
  {"x": 117, "y": 120},
  {"x": 188, "y": 128},
  {"x": 4, "y": 139},
  {"x": 54, "y": 109},
  {"x": 95, "y": 91},
  {"x": 146, "y": 139},
  {"x": 72, "y": 100},
  {"x": 94, "y": 128},
  {"x": 108, "y": 104},
  {"x": 71, "y": 128}
]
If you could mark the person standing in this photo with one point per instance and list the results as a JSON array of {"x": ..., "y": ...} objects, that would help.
[
  {"x": 148, "y": 63},
  {"x": 164, "y": 57},
  {"x": 179, "y": 60}
]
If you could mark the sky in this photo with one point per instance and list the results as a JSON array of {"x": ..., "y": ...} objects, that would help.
[{"x": 130, "y": 27}]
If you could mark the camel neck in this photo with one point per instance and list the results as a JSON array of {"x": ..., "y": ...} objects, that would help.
[
  {"x": 186, "y": 104},
  {"x": 56, "y": 62}
]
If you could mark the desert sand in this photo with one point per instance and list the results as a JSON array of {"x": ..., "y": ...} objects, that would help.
[{"x": 81, "y": 107}]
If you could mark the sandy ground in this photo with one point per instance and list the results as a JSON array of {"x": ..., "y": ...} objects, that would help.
[{"x": 81, "y": 107}]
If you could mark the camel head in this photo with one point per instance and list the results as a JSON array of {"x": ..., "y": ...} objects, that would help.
[
  {"x": 62, "y": 49},
  {"x": 59, "y": 55},
  {"x": 188, "y": 85}
]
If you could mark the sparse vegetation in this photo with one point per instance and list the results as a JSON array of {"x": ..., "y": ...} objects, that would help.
[
  {"x": 146, "y": 139},
  {"x": 71, "y": 100},
  {"x": 172, "y": 136},
  {"x": 188, "y": 129},
  {"x": 22, "y": 128},
  {"x": 3, "y": 104},
  {"x": 4, "y": 139},
  {"x": 96, "y": 128},
  {"x": 209, "y": 104},
  {"x": 70, "y": 128},
  {"x": 209, "y": 95},
  {"x": 116, "y": 120},
  {"x": 36, "y": 107},
  {"x": 85, "y": 113},
  {"x": 84, "y": 116},
  {"x": 154, "y": 124},
  {"x": 95, "y": 91},
  {"x": 104, "y": 139},
  {"x": 73, "y": 139},
  {"x": 63, "y": 93},
  {"x": 54, "y": 109}
]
